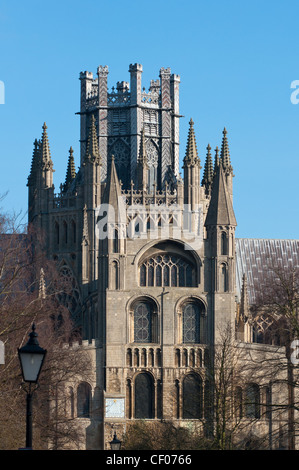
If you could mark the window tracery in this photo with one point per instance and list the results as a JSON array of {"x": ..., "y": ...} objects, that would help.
[
  {"x": 191, "y": 323},
  {"x": 69, "y": 293},
  {"x": 144, "y": 321},
  {"x": 167, "y": 270}
]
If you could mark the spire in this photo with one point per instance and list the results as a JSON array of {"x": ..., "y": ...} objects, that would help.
[
  {"x": 70, "y": 172},
  {"x": 45, "y": 154},
  {"x": 208, "y": 173},
  {"x": 34, "y": 163},
  {"x": 45, "y": 165},
  {"x": 191, "y": 156},
  {"x": 244, "y": 315},
  {"x": 113, "y": 188},
  {"x": 224, "y": 156},
  {"x": 244, "y": 303},
  {"x": 113, "y": 197},
  {"x": 220, "y": 211},
  {"x": 92, "y": 147},
  {"x": 216, "y": 161}
]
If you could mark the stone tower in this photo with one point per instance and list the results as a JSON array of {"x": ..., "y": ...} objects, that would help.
[
  {"x": 151, "y": 254},
  {"x": 123, "y": 114}
]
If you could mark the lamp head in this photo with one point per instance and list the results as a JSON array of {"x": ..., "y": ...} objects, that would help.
[{"x": 31, "y": 358}]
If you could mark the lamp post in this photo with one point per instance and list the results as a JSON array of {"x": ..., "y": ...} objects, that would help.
[
  {"x": 115, "y": 444},
  {"x": 31, "y": 358}
]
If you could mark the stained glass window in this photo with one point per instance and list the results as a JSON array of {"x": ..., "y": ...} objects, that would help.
[
  {"x": 150, "y": 274},
  {"x": 167, "y": 270},
  {"x": 191, "y": 323},
  {"x": 166, "y": 275},
  {"x": 181, "y": 276},
  {"x": 142, "y": 275},
  {"x": 188, "y": 275},
  {"x": 174, "y": 276},
  {"x": 143, "y": 323},
  {"x": 158, "y": 275}
]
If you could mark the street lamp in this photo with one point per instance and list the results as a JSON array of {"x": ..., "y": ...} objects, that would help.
[
  {"x": 31, "y": 358},
  {"x": 115, "y": 444}
]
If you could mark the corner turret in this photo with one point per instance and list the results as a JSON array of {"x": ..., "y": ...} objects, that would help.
[
  {"x": 191, "y": 170},
  {"x": 226, "y": 163}
]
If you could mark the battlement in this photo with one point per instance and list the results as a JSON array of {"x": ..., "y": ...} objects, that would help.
[
  {"x": 122, "y": 94},
  {"x": 84, "y": 344},
  {"x": 134, "y": 197},
  {"x": 135, "y": 68},
  {"x": 165, "y": 71},
  {"x": 86, "y": 75},
  {"x": 122, "y": 112}
]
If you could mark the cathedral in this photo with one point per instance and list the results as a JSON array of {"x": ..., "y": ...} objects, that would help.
[{"x": 151, "y": 253}]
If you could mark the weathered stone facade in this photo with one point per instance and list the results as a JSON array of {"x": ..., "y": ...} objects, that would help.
[{"x": 152, "y": 293}]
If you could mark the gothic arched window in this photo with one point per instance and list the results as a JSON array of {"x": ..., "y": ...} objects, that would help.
[
  {"x": 142, "y": 275},
  {"x": 74, "y": 232},
  {"x": 65, "y": 232},
  {"x": 267, "y": 330},
  {"x": 83, "y": 400},
  {"x": 223, "y": 278},
  {"x": 152, "y": 161},
  {"x": 121, "y": 153},
  {"x": 224, "y": 244},
  {"x": 143, "y": 323},
  {"x": 144, "y": 396},
  {"x": 167, "y": 270},
  {"x": 268, "y": 400},
  {"x": 191, "y": 323},
  {"x": 252, "y": 401},
  {"x": 115, "y": 241},
  {"x": 70, "y": 295},
  {"x": 56, "y": 233},
  {"x": 114, "y": 275},
  {"x": 192, "y": 397}
]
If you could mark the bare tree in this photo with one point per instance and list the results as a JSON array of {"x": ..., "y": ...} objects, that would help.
[
  {"x": 161, "y": 435},
  {"x": 277, "y": 301},
  {"x": 30, "y": 289}
]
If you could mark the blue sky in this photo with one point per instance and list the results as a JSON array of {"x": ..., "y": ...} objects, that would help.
[{"x": 236, "y": 61}]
